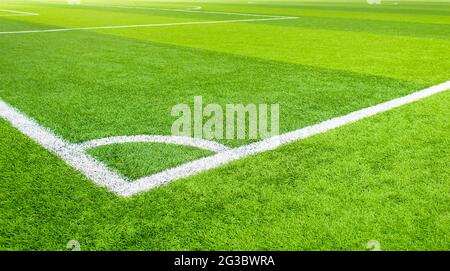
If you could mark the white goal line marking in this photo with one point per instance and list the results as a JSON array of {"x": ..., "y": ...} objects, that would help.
[
  {"x": 76, "y": 156},
  {"x": 16, "y": 13},
  {"x": 262, "y": 18}
]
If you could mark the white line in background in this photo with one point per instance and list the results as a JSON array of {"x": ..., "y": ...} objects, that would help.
[
  {"x": 196, "y": 10},
  {"x": 191, "y": 10},
  {"x": 17, "y": 13},
  {"x": 140, "y": 25}
]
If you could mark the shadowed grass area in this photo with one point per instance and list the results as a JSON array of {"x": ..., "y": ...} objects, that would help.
[{"x": 362, "y": 51}]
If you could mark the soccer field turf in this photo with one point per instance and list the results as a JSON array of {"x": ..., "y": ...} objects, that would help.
[{"x": 104, "y": 69}]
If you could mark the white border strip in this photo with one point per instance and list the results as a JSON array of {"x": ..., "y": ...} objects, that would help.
[{"x": 75, "y": 155}]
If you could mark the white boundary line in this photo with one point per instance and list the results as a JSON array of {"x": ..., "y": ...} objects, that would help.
[
  {"x": 17, "y": 13},
  {"x": 272, "y": 143},
  {"x": 264, "y": 18},
  {"x": 75, "y": 155},
  {"x": 70, "y": 153}
]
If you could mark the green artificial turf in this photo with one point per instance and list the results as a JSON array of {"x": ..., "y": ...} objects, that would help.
[
  {"x": 135, "y": 160},
  {"x": 384, "y": 178},
  {"x": 128, "y": 87}
]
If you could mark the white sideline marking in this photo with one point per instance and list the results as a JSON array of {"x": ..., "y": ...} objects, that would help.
[
  {"x": 17, "y": 13},
  {"x": 272, "y": 143},
  {"x": 75, "y": 155},
  {"x": 176, "y": 140},
  {"x": 140, "y": 25}
]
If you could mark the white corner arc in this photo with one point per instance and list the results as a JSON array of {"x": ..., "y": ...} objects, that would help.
[{"x": 175, "y": 140}]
